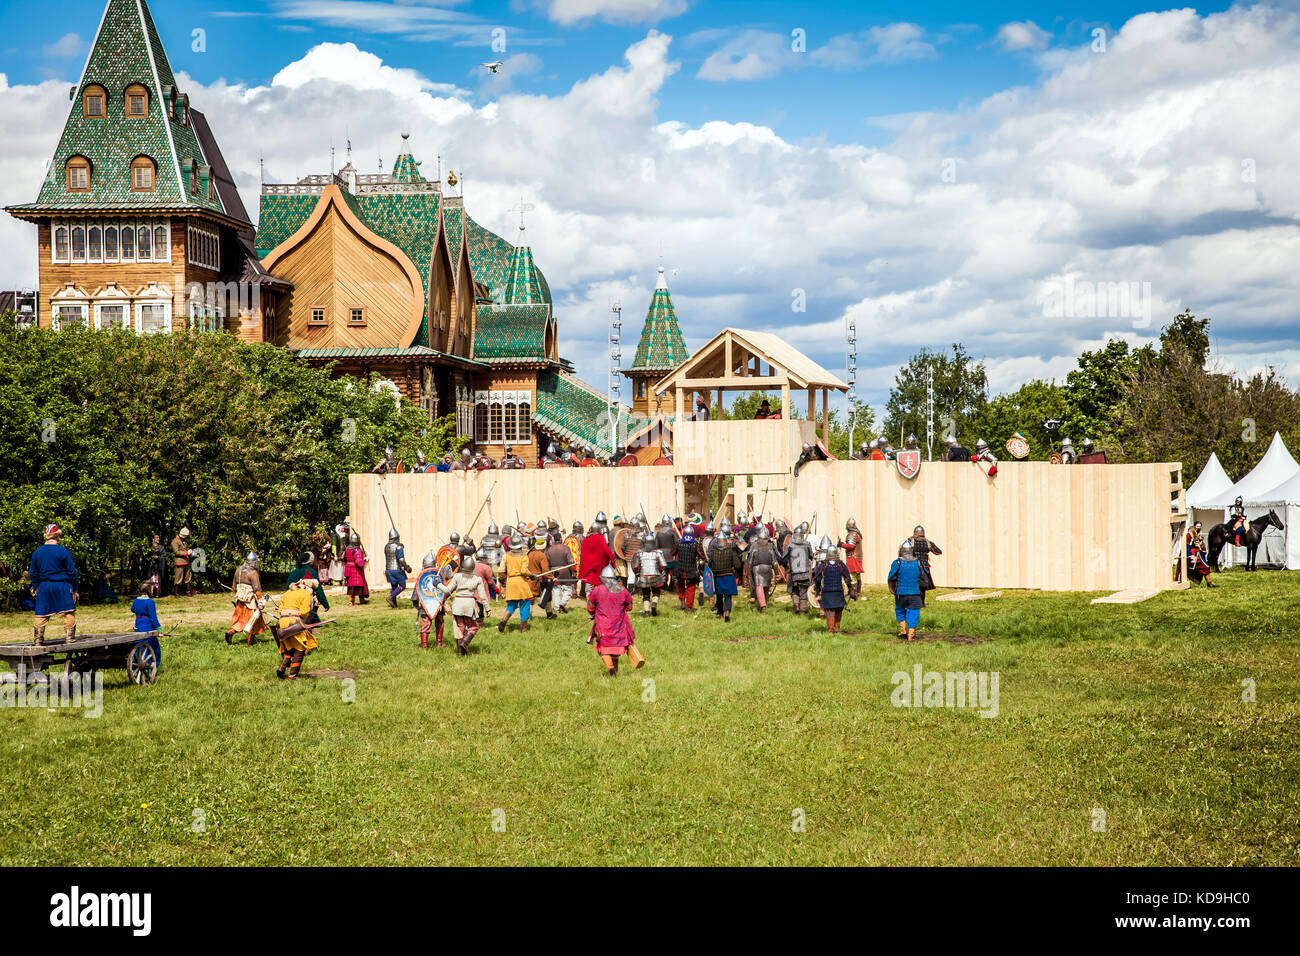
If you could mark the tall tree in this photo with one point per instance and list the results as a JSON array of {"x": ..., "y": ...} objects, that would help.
[
  {"x": 1024, "y": 411},
  {"x": 961, "y": 388},
  {"x": 1095, "y": 393}
]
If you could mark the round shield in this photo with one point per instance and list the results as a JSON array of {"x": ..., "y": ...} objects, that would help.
[
  {"x": 620, "y": 540},
  {"x": 447, "y": 556},
  {"x": 628, "y": 461},
  {"x": 1018, "y": 446},
  {"x": 590, "y": 463},
  {"x": 663, "y": 460},
  {"x": 1055, "y": 458},
  {"x": 575, "y": 549}
]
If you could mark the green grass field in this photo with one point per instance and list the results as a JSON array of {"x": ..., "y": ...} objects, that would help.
[{"x": 1135, "y": 711}]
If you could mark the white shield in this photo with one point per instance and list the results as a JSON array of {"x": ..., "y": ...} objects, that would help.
[{"x": 909, "y": 462}]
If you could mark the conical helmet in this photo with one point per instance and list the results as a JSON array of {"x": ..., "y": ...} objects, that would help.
[
  {"x": 600, "y": 517},
  {"x": 355, "y": 540},
  {"x": 429, "y": 561},
  {"x": 392, "y": 534},
  {"x": 493, "y": 529},
  {"x": 825, "y": 544},
  {"x": 454, "y": 538}
]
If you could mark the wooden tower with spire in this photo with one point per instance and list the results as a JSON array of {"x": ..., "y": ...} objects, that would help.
[{"x": 660, "y": 349}]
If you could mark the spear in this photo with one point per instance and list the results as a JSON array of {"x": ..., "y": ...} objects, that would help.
[
  {"x": 480, "y": 508},
  {"x": 391, "y": 523}
]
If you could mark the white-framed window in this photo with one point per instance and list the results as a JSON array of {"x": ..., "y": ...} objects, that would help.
[
  {"x": 203, "y": 246},
  {"x": 153, "y": 316},
  {"x": 128, "y": 242},
  {"x": 78, "y": 243},
  {"x": 95, "y": 244},
  {"x": 464, "y": 411},
  {"x": 60, "y": 249},
  {"x": 68, "y": 314},
  {"x": 110, "y": 243},
  {"x": 502, "y": 418},
  {"x": 112, "y": 315}
]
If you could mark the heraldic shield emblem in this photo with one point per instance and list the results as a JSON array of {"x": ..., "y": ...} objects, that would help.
[{"x": 909, "y": 462}]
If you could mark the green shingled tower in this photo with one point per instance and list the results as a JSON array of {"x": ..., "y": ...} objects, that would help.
[{"x": 660, "y": 350}]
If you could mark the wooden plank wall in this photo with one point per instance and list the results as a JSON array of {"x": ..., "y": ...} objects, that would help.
[
  {"x": 427, "y": 508},
  {"x": 770, "y": 446},
  {"x": 1036, "y": 525}
]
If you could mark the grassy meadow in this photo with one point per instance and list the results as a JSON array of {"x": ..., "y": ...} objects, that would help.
[{"x": 766, "y": 741}]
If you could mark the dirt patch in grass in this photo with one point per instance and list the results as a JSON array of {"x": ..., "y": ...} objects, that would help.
[
  {"x": 947, "y": 639},
  {"x": 756, "y": 637}
]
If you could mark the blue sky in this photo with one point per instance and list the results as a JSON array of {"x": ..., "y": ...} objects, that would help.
[{"x": 936, "y": 172}]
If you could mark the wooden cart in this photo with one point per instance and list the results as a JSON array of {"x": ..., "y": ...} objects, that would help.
[{"x": 138, "y": 653}]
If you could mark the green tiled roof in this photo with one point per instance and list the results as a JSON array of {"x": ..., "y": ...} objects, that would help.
[
  {"x": 523, "y": 286},
  {"x": 570, "y": 410},
  {"x": 126, "y": 50},
  {"x": 281, "y": 216},
  {"x": 511, "y": 332},
  {"x": 662, "y": 347}
]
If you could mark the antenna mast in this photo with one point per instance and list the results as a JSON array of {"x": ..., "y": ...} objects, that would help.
[{"x": 615, "y": 372}]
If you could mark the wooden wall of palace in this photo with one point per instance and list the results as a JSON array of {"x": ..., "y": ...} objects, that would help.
[{"x": 1036, "y": 525}]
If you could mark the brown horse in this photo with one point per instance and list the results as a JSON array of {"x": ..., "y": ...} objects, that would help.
[{"x": 1250, "y": 538}]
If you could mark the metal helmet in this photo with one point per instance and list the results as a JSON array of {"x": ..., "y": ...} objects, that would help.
[
  {"x": 758, "y": 519},
  {"x": 551, "y": 450},
  {"x": 430, "y": 560},
  {"x": 481, "y": 554},
  {"x": 577, "y": 527},
  {"x": 851, "y": 525},
  {"x": 251, "y": 560},
  {"x": 516, "y": 543},
  {"x": 951, "y": 439},
  {"x": 803, "y": 527},
  {"x": 388, "y": 451},
  {"x": 919, "y": 531},
  {"x": 864, "y": 447},
  {"x": 905, "y": 550},
  {"x": 708, "y": 528},
  {"x": 875, "y": 443},
  {"x": 806, "y": 448},
  {"x": 509, "y": 450},
  {"x": 640, "y": 518},
  {"x": 493, "y": 529},
  {"x": 464, "y": 453},
  {"x": 763, "y": 535},
  {"x": 666, "y": 519},
  {"x": 607, "y": 576},
  {"x": 1066, "y": 443},
  {"x": 454, "y": 538},
  {"x": 725, "y": 527},
  {"x": 393, "y": 535},
  {"x": 467, "y": 563},
  {"x": 419, "y": 456},
  {"x": 981, "y": 445},
  {"x": 911, "y": 439},
  {"x": 825, "y": 544},
  {"x": 600, "y": 517},
  {"x": 355, "y": 540}
]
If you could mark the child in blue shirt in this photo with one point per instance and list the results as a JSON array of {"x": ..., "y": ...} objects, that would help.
[{"x": 145, "y": 611}]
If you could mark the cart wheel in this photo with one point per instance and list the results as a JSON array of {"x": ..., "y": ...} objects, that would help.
[{"x": 142, "y": 664}]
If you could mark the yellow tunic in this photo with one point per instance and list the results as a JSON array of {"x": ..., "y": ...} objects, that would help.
[
  {"x": 518, "y": 587},
  {"x": 294, "y": 607}
]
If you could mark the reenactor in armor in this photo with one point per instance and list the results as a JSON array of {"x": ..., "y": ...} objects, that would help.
[
  {"x": 863, "y": 452},
  {"x": 922, "y": 548},
  {"x": 665, "y": 538},
  {"x": 808, "y": 453},
  {"x": 798, "y": 561},
  {"x": 1068, "y": 457},
  {"x": 512, "y": 461},
  {"x": 247, "y": 616},
  {"x": 1088, "y": 447},
  {"x": 421, "y": 464},
  {"x": 761, "y": 559},
  {"x": 390, "y": 465},
  {"x": 493, "y": 545},
  {"x": 651, "y": 572},
  {"x": 887, "y": 449},
  {"x": 552, "y": 457},
  {"x": 482, "y": 462},
  {"x": 435, "y": 623},
  {"x": 686, "y": 568},
  {"x": 852, "y": 545},
  {"x": 395, "y": 566},
  {"x": 567, "y": 457},
  {"x": 464, "y": 463},
  {"x": 982, "y": 453},
  {"x": 877, "y": 452},
  {"x": 957, "y": 452}
]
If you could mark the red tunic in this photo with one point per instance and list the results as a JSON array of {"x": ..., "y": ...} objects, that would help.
[
  {"x": 595, "y": 557},
  {"x": 354, "y": 568},
  {"x": 611, "y": 627}
]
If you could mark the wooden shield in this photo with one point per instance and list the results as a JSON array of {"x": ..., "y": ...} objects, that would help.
[
  {"x": 575, "y": 549},
  {"x": 1055, "y": 458},
  {"x": 620, "y": 538},
  {"x": 590, "y": 463},
  {"x": 706, "y": 581},
  {"x": 1018, "y": 446},
  {"x": 430, "y": 592},
  {"x": 446, "y": 555},
  {"x": 628, "y": 461},
  {"x": 663, "y": 460}
]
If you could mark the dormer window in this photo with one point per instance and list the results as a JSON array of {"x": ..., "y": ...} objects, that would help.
[
  {"x": 78, "y": 171},
  {"x": 137, "y": 100},
  {"x": 142, "y": 174},
  {"x": 94, "y": 102}
]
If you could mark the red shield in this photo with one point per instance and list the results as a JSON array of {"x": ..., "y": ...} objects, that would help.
[{"x": 909, "y": 462}]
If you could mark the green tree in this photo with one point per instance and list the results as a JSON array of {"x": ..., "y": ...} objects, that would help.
[
  {"x": 1095, "y": 393},
  {"x": 961, "y": 388},
  {"x": 1024, "y": 411}
]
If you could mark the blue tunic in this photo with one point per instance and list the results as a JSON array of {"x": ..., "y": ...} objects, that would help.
[
  {"x": 146, "y": 615},
  {"x": 906, "y": 575},
  {"x": 830, "y": 575},
  {"x": 54, "y": 578}
]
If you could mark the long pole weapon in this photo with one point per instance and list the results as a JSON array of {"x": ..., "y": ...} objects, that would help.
[
  {"x": 480, "y": 508},
  {"x": 391, "y": 523}
]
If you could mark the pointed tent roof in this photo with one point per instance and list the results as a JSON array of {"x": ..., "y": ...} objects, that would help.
[
  {"x": 522, "y": 285},
  {"x": 127, "y": 50},
  {"x": 661, "y": 347},
  {"x": 1276, "y": 467},
  {"x": 1209, "y": 484}
]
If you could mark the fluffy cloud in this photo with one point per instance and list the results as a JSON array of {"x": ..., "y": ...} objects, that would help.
[
  {"x": 569, "y": 12},
  {"x": 759, "y": 54},
  {"x": 1022, "y": 35},
  {"x": 1032, "y": 224},
  {"x": 70, "y": 44}
]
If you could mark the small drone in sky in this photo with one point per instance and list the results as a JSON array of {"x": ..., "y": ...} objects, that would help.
[{"x": 492, "y": 67}]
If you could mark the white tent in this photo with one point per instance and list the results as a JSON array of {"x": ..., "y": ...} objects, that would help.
[
  {"x": 1258, "y": 491},
  {"x": 1285, "y": 500}
]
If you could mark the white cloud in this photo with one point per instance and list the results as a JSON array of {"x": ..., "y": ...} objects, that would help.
[
  {"x": 1120, "y": 167},
  {"x": 759, "y": 54},
  {"x": 68, "y": 45},
  {"x": 1022, "y": 35},
  {"x": 568, "y": 12}
]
